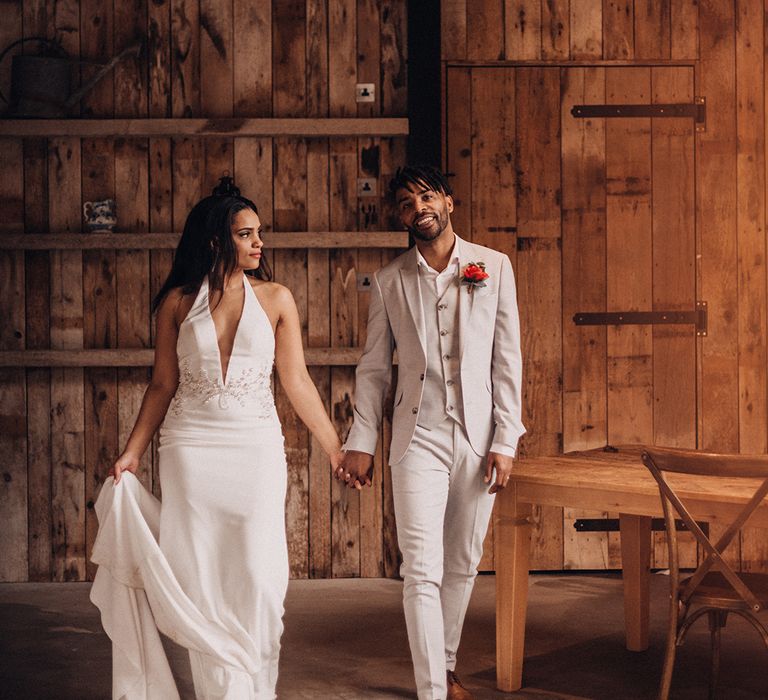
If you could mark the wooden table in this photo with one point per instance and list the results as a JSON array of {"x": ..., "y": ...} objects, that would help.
[{"x": 595, "y": 480}]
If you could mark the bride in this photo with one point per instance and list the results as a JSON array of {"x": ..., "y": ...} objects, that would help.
[{"x": 214, "y": 577}]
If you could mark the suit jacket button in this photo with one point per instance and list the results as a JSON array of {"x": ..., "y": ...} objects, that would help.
[
  {"x": 421, "y": 377},
  {"x": 414, "y": 410},
  {"x": 443, "y": 332}
]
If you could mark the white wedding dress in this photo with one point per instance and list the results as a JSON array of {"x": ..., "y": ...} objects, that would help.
[{"x": 208, "y": 568}]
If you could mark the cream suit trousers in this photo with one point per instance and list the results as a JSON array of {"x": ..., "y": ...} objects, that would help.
[{"x": 442, "y": 508}]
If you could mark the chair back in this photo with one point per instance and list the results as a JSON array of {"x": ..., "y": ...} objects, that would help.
[{"x": 661, "y": 460}]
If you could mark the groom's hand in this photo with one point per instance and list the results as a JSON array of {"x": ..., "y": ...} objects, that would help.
[
  {"x": 356, "y": 469},
  {"x": 502, "y": 464}
]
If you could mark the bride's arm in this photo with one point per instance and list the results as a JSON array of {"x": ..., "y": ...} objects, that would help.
[
  {"x": 295, "y": 379},
  {"x": 157, "y": 397}
]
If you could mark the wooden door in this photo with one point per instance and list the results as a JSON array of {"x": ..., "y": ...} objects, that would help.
[{"x": 597, "y": 215}]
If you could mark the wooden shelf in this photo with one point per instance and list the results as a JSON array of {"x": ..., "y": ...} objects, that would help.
[
  {"x": 143, "y": 128},
  {"x": 156, "y": 241},
  {"x": 318, "y": 357}
]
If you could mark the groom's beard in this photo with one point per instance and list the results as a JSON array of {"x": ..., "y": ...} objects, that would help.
[{"x": 432, "y": 232}]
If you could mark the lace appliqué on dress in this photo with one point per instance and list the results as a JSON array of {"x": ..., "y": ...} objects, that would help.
[{"x": 250, "y": 388}]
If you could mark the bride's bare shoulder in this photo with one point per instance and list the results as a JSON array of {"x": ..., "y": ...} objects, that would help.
[
  {"x": 176, "y": 304},
  {"x": 271, "y": 292}
]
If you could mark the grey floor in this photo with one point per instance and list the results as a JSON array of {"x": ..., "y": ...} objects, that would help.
[{"x": 346, "y": 639}]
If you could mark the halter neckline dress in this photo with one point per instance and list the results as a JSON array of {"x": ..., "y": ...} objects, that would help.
[{"x": 214, "y": 569}]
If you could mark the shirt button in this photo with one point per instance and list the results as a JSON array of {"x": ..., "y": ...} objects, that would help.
[
  {"x": 440, "y": 307},
  {"x": 414, "y": 410},
  {"x": 446, "y": 357},
  {"x": 450, "y": 382},
  {"x": 443, "y": 332},
  {"x": 450, "y": 408}
]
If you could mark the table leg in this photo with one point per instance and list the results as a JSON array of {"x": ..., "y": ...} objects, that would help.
[
  {"x": 636, "y": 572},
  {"x": 512, "y": 545}
]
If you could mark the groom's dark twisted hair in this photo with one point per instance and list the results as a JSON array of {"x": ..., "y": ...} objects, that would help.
[{"x": 420, "y": 175}]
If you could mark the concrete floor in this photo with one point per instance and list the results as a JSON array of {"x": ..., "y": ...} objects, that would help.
[{"x": 346, "y": 639}]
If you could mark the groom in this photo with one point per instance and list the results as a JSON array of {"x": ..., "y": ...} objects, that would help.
[{"x": 449, "y": 308}]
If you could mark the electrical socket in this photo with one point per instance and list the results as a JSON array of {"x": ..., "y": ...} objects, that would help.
[{"x": 365, "y": 92}]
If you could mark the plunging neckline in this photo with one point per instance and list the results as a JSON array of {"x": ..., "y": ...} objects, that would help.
[{"x": 224, "y": 373}]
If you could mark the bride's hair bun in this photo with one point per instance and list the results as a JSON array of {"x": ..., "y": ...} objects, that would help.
[{"x": 226, "y": 187}]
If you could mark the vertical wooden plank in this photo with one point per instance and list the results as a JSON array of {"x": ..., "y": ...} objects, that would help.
[
  {"x": 97, "y": 46},
  {"x": 674, "y": 252},
  {"x": 216, "y": 57},
  {"x": 717, "y": 221},
  {"x": 458, "y": 148},
  {"x": 185, "y": 58},
  {"x": 14, "y": 553},
  {"x": 522, "y": 30},
  {"x": 394, "y": 54},
  {"x": 131, "y": 94},
  {"x": 684, "y": 29},
  {"x": 485, "y": 35},
  {"x": 216, "y": 85},
  {"x": 674, "y": 280},
  {"x": 345, "y": 516},
  {"x": 342, "y": 68},
  {"x": 584, "y": 275},
  {"x": 67, "y": 424},
  {"x": 159, "y": 59},
  {"x": 38, "y": 297},
  {"x": 252, "y": 58},
  {"x": 750, "y": 162},
  {"x": 618, "y": 29},
  {"x": 653, "y": 29},
  {"x": 494, "y": 214},
  {"x": 537, "y": 112},
  {"x": 629, "y": 259},
  {"x": 586, "y": 35},
  {"x": 453, "y": 30},
  {"x": 317, "y": 59},
  {"x": 555, "y": 30}
]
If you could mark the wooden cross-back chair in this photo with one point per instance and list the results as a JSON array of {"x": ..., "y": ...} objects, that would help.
[{"x": 715, "y": 589}]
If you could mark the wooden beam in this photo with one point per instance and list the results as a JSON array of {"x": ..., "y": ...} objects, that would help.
[
  {"x": 104, "y": 128},
  {"x": 157, "y": 241},
  {"x": 318, "y": 357}
]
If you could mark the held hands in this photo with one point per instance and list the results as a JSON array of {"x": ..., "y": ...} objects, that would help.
[
  {"x": 503, "y": 465},
  {"x": 124, "y": 463},
  {"x": 355, "y": 469}
]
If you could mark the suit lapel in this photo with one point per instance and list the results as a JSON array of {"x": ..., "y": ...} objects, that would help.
[
  {"x": 409, "y": 276},
  {"x": 466, "y": 300}
]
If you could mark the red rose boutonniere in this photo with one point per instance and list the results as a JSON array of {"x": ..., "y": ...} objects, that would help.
[{"x": 474, "y": 275}]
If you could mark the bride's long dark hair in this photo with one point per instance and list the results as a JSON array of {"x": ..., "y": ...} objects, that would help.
[{"x": 206, "y": 246}]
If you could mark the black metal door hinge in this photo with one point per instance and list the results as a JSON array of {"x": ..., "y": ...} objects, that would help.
[
  {"x": 697, "y": 317},
  {"x": 697, "y": 110}
]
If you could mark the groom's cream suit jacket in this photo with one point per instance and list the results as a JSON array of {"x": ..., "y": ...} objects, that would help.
[{"x": 489, "y": 356}]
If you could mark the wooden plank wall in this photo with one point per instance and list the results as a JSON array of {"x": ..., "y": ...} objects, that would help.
[
  {"x": 60, "y": 428},
  {"x": 585, "y": 248}
]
